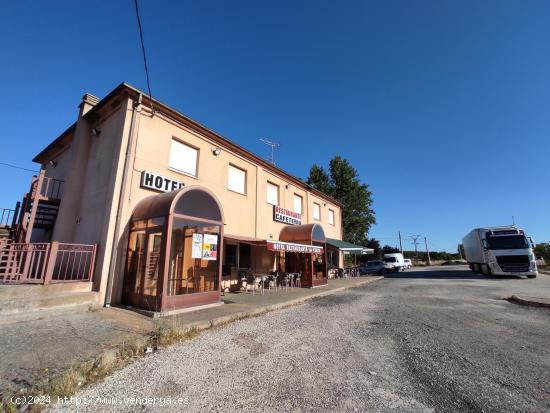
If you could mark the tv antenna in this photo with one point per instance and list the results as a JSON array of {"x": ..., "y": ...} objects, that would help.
[{"x": 273, "y": 146}]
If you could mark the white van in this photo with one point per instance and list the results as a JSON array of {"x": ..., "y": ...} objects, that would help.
[{"x": 395, "y": 261}]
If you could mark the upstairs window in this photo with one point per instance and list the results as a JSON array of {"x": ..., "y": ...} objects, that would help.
[
  {"x": 236, "y": 179},
  {"x": 272, "y": 195},
  {"x": 297, "y": 203},
  {"x": 331, "y": 217},
  {"x": 316, "y": 211},
  {"x": 183, "y": 158}
]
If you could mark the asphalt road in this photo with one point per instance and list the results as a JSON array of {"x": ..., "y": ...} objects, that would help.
[{"x": 438, "y": 340}]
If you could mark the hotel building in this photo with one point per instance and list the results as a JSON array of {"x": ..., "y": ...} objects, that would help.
[{"x": 157, "y": 211}]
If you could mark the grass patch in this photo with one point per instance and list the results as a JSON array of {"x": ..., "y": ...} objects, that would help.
[{"x": 70, "y": 381}]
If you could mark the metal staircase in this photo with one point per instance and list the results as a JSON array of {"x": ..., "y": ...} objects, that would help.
[{"x": 39, "y": 208}]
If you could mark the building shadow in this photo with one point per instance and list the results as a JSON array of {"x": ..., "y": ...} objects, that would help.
[{"x": 456, "y": 273}]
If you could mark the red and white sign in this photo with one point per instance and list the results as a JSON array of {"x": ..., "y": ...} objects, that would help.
[
  {"x": 286, "y": 216},
  {"x": 291, "y": 247}
]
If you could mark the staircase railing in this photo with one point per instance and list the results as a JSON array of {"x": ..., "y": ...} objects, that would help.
[
  {"x": 42, "y": 188},
  {"x": 47, "y": 187}
]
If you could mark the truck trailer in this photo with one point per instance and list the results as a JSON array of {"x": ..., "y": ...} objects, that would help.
[{"x": 500, "y": 251}]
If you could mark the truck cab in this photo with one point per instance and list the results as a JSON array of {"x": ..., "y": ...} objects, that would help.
[{"x": 500, "y": 251}]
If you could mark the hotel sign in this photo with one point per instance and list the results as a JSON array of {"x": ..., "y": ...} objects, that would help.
[
  {"x": 291, "y": 247},
  {"x": 159, "y": 183},
  {"x": 286, "y": 216}
]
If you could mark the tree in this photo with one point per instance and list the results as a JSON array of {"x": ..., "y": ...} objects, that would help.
[
  {"x": 342, "y": 183},
  {"x": 319, "y": 179},
  {"x": 375, "y": 245},
  {"x": 542, "y": 250},
  {"x": 386, "y": 249}
]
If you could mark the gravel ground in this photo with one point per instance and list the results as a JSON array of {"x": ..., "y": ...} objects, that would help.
[{"x": 419, "y": 343}]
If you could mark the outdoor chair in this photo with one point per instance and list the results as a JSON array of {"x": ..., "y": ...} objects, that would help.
[
  {"x": 297, "y": 280},
  {"x": 284, "y": 280},
  {"x": 253, "y": 281},
  {"x": 273, "y": 281}
]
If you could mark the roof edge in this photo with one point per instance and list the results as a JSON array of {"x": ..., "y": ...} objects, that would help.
[{"x": 39, "y": 157}]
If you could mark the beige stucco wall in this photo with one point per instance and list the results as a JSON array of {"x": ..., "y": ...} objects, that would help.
[
  {"x": 245, "y": 214},
  {"x": 62, "y": 160}
]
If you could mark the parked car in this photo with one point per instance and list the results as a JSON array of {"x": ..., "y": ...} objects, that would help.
[
  {"x": 394, "y": 262},
  {"x": 408, "y": 263},
  {"x": 374, "y": 267}
]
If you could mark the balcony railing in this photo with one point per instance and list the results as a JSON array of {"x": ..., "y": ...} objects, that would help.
[
  {"x": 47, "y": 187},
  {"x": 7, "y": 217},
  {"x": 45, "y": 263}
]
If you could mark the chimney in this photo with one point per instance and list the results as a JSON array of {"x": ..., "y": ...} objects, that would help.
[{"x": 88, "y": 102}]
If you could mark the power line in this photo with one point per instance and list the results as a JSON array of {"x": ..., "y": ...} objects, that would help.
[
  {"x": 144, "y": 55},
  {"x": 18, "y": 167}
]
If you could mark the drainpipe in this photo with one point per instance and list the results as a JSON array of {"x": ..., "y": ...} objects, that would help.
[{"x": 112, "y": 264}]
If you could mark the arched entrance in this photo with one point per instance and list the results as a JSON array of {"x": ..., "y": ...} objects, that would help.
[
  {"x": 312, "y": 266},
  {"x": 174, "y": 249}
]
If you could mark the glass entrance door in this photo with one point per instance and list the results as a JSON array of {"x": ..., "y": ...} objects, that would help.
[{"x": 143, "y": 268}]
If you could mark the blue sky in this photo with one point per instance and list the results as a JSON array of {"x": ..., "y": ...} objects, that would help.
[{"x": 443, "y": 107}]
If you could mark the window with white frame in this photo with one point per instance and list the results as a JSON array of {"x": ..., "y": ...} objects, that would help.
[
  {"x": 183, "y": 158},
  {"x": 297, "y": 203},
  {"x": 331, "y": 217},
  {"x": 316, "y": 211},
  {"x": 236, "y": 179},
  {"x": 272, "y": 196}
]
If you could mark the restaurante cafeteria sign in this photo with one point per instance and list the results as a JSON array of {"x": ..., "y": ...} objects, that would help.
[
  {"x": 159, "y": 183},
  {"x": 291, "y": 247},
  {"x": 286, "y": 216}
]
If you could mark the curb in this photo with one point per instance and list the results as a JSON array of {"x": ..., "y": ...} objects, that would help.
[
  {"x": 219, "y": 321},
  {"x": 531, "y": 303}
]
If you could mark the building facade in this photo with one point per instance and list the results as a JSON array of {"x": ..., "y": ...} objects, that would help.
[{"x": 143, "y": 182}]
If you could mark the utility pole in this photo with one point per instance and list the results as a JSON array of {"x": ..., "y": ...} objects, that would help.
[
  {"x": 400, "y": 245},
  {"x": 427, "y": 251},
  {"x": 415, "y": 242},
  {"x": 273, "y": 146}
]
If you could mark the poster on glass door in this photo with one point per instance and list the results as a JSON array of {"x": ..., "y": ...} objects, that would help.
[
  {"x": 210, "y": 247},
  {"x": 196, "y": 250}
]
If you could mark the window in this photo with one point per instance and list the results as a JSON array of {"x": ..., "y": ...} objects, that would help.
[
  {"x": 188, "y": 274},
  {"x": 272, "y": 194},
  {"x": 316, "y": 211},
  {"x": 331, "y": 217},
  {"x": 183, "y": 158},
  {"x": 236, "y": 180},
  {"x": 297, "y": 203}
]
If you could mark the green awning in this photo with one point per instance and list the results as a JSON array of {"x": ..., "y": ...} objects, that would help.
[{"x": 348, "y": 247}]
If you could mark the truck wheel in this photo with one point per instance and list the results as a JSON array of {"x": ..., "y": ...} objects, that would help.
[
  {"x": 532, "y": 276},
  {"x": 475, "y": 268},
  {"x": 485, "y": 269}
]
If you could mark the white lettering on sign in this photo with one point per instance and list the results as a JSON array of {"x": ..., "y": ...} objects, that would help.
[
  {"x": 286, "y": 216},
  {"x": 291, "y": 247},
  {"x": 159, "y": 183}
]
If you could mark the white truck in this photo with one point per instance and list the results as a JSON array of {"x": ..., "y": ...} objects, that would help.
[
  {"x": 394, "y": 262},
  {"x": 500, "y": 251}
]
